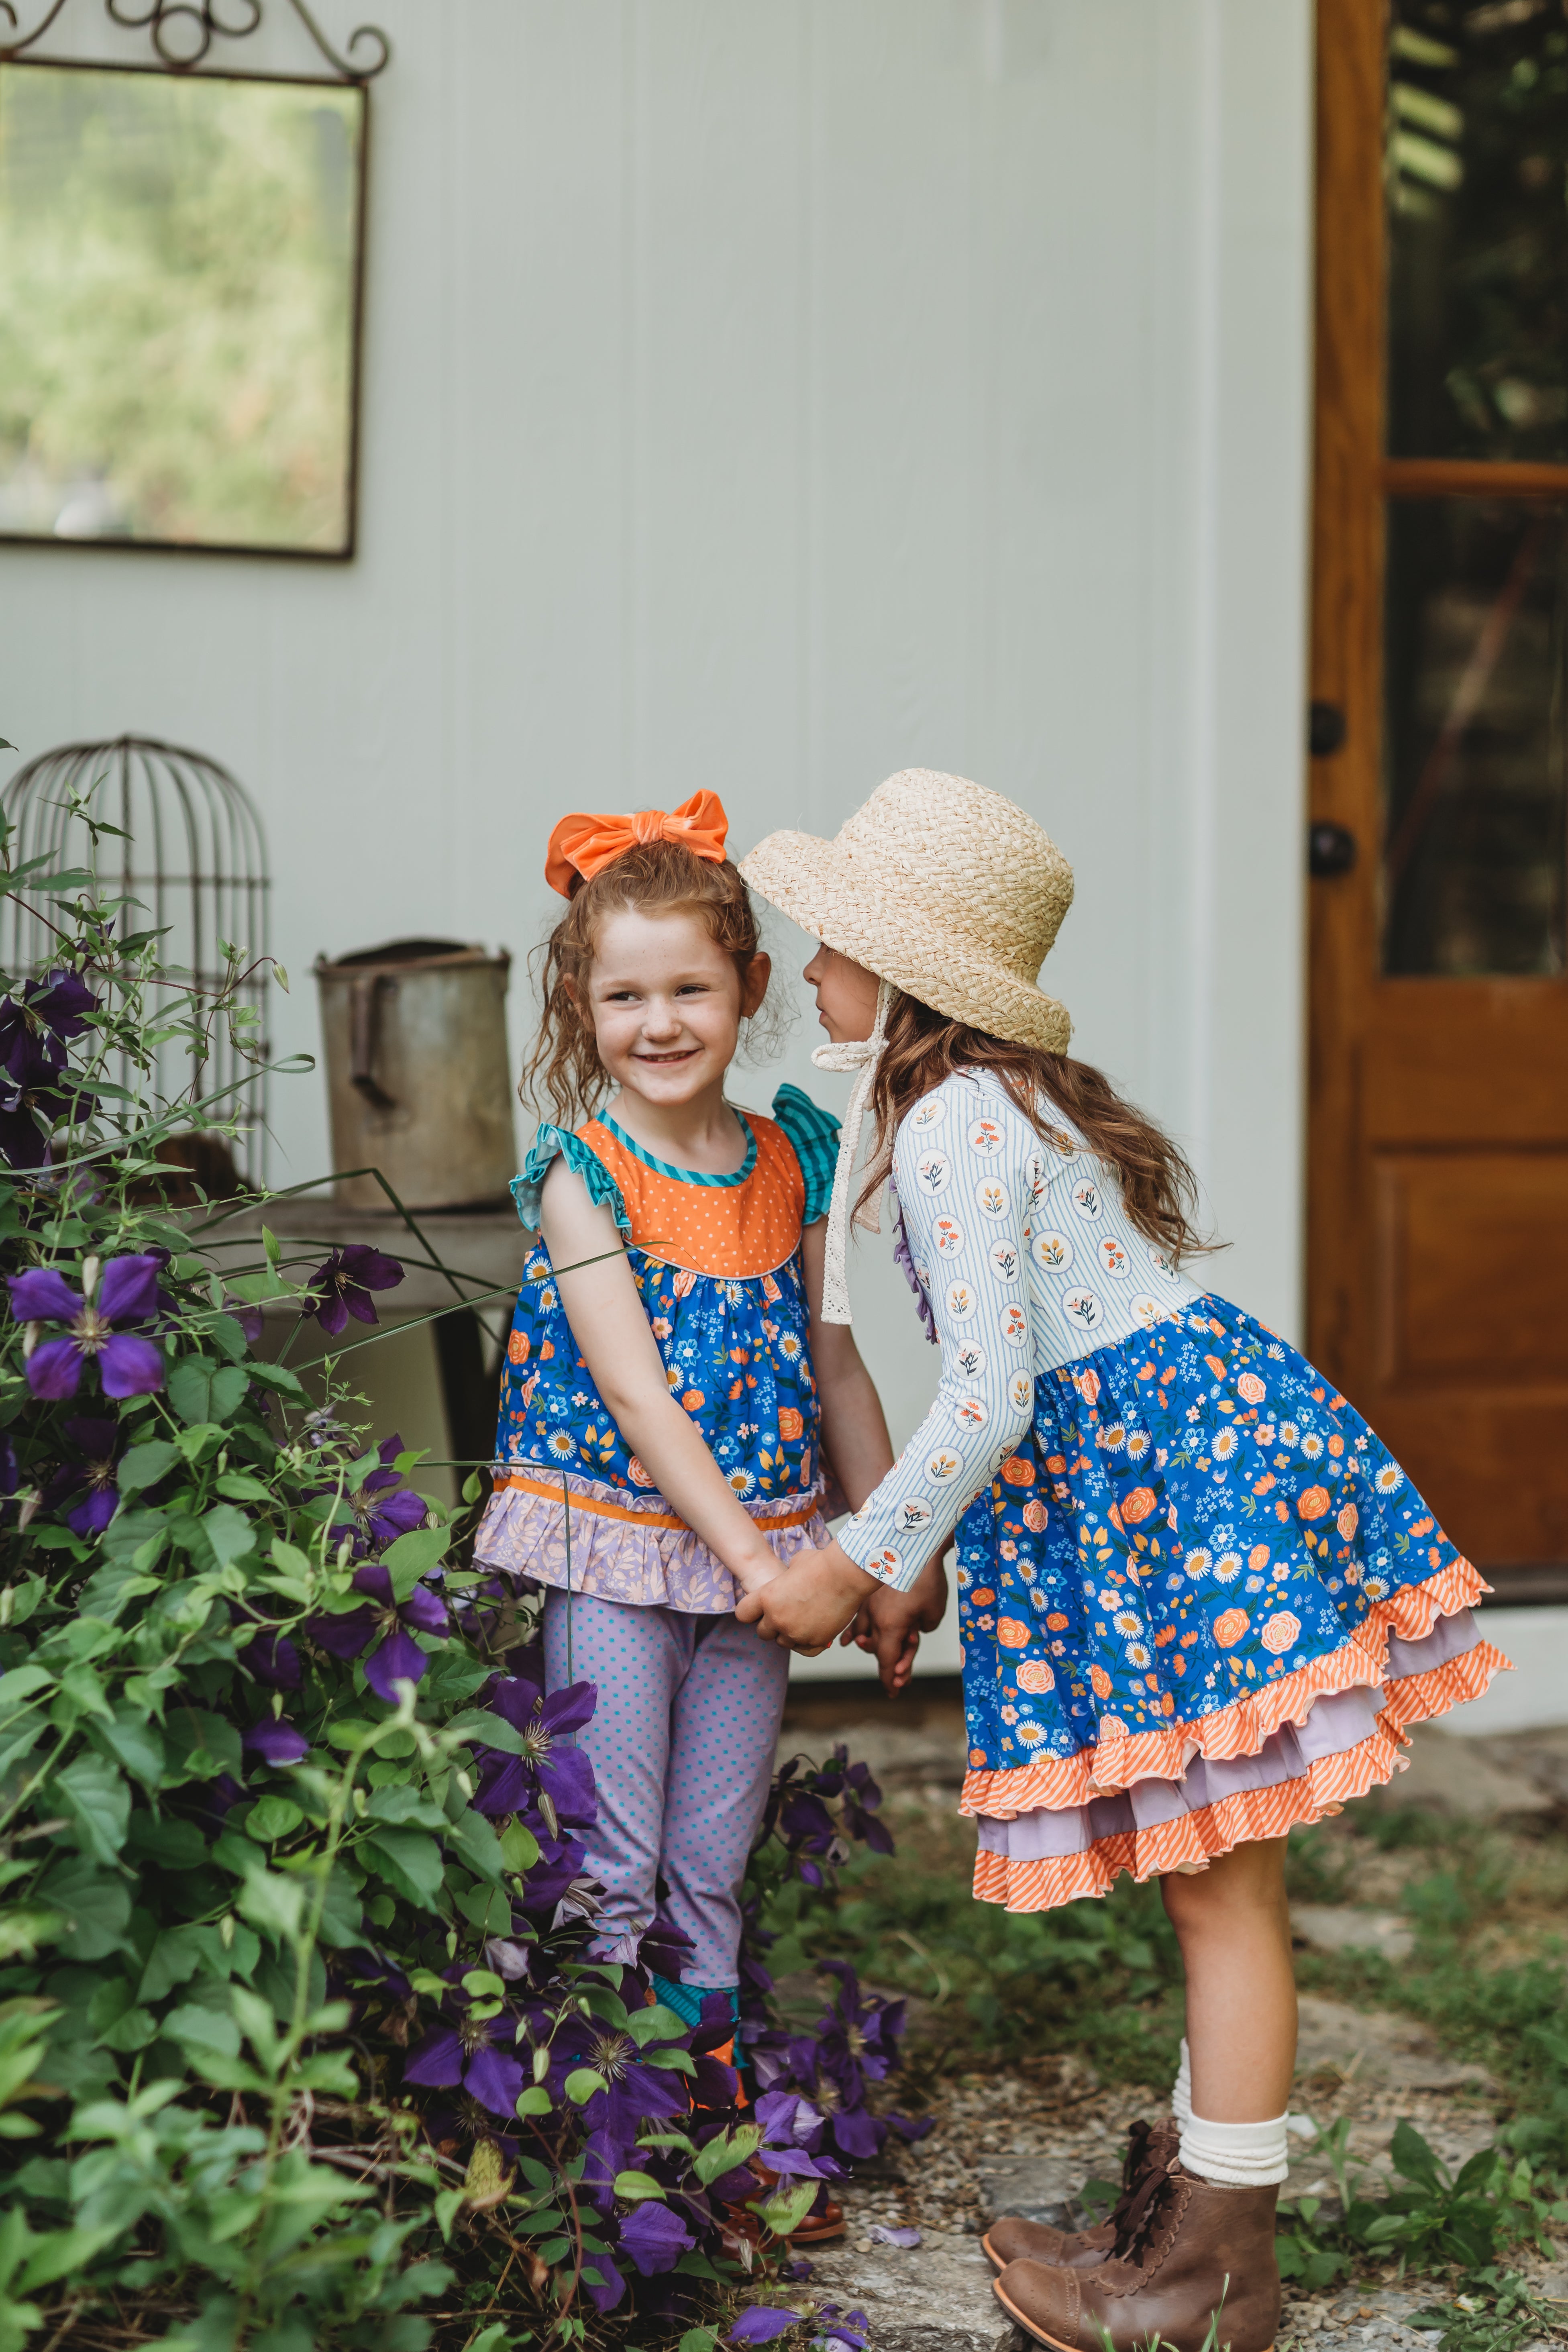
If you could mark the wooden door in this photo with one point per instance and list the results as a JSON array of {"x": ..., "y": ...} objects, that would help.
[{"x": 1438, "y": 1216}]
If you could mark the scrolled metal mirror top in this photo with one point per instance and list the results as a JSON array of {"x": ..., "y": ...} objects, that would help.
[{"x": 182, "y": 34}]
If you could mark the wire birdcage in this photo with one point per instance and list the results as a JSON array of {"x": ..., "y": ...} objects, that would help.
[{"x": 194, "y": 859}]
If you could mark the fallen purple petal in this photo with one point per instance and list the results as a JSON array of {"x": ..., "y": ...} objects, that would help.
[{"x": 761, "y": 2323}]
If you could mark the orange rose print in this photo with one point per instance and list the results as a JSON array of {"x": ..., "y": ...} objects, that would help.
[
  {"x": 1230, "y": 1627},
  {"x": 1252, "y": 1388},
  {"x": 1057, "y": 1621},
  {"x": 640, "y": 1476},
  {"x": 518, "y": 1347},
  {"x": 791, "y": 1424},
  {"x": 1034, "y": 1674},
  {"x": 976, "y": 1758},
  {"x": 1017, "y": 1472},
  {"x": 1056, "y": 1464},
  {"x": 1314, "y": 1503},
  {"x": 1138, "y": 1504},
  {"x": 1280, "y": 1632},
  {"x": 1257, "y": 1559},
  {"x": 694, "y": 1400},
  {"x": 1035, "y": 1517},
  {"x": 1011, "y": 1633},
  {"x": 983, "y": 1597},
  {"x": 1099, "y": 1682},
  {"x": 1347, "y": 1521}
]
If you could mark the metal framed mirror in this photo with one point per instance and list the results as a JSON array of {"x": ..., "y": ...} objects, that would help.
[{"x": 182, "y": 263}]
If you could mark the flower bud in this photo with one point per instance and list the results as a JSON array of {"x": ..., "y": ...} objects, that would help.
[
  {"x": 31, "y": 1334},
  {"x": 90, "y": 1266}
]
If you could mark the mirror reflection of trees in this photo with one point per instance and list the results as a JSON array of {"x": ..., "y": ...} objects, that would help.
[
  {"x": 178, "y": 260},
  {"x": 1477, "y": 193}
]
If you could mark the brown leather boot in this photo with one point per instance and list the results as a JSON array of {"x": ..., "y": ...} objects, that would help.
[
  {"x": 1011, "y": 2238},
  {"x": 1193, "y": 2255}
]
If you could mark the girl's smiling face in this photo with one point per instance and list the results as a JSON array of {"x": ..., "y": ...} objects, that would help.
[{"x": 667, "y": 1004}]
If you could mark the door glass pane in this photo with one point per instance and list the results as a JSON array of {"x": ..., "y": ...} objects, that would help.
[
  {"x": 1473, "y": 856},
  {"x": 1477, "y": 153}
]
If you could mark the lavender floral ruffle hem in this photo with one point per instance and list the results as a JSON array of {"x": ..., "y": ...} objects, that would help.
[
  {"x": 614, "y": 1559},
  {"x": 1337, "y": 1722}
]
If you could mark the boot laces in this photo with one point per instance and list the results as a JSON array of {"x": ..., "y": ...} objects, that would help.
[{"x": 1144, "y": 2183}]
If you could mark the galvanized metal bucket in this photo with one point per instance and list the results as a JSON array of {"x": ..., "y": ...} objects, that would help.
[{"x": 418, "y": 1076}]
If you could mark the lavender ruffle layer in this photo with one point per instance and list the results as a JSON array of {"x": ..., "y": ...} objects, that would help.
[
  {"x": 1337, "y": 1721},
  {"x": 614, "y": 1559}
]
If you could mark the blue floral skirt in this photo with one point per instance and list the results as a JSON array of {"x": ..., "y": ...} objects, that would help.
[{"x": 1198, "y": 1606}]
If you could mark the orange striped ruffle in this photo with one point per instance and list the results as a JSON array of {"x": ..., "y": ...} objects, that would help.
[
  {"x": 593, "y": 1507},
  {"x": 1198, "y": 1838},
  {"x": 1119, "y": 1758}
]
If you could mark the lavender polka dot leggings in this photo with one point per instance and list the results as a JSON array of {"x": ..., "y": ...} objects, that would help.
[{"x": 682, "y": 1744}]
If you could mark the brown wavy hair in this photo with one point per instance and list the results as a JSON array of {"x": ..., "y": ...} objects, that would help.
[
  {"x": 655, "y": 877},
  {"x": 923, "y": 1047}
]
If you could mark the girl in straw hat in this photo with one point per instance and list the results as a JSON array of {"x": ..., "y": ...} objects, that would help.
[
  {"x": 1199, "y": 1600},
  {"x": 668, "y": 1385}
]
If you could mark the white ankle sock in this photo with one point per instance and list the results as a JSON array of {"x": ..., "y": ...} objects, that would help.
[
  {"x": 1238, "y": 2156},
  {"x": 1182, "y": 2089}
]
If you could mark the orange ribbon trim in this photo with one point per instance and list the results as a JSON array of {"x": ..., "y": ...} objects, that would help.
[
  {"x": 589, "y": 1505},
  {"x": 583, "y": 844}
]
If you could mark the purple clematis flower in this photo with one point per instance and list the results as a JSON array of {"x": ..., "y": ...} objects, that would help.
[
  {"x": 90, "y": 1512},
  {"x": 127, "y": 1293},
  {"x": 275, "y": 1742},
  {"x": 36, "y": 1022},
  {"x": 384, "y": 1508},
  {"x": 470, "y": 2052},
  {"x": 396, "y": 1656},
  {"x": 343, "y": 1285},
  {"x": 552, "y": 1781},
  {"x": 655, "y": 2238},
  {"x": 61, "y": 1101}
]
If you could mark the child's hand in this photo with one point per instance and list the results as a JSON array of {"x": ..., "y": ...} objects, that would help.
[
  {"x": 890, "y": 1625},
  {"x": 815, "y": 1597},
  {"x": 754, "y": 1574}
]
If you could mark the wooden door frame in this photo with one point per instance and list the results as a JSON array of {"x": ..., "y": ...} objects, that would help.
[
  {"x": 1351, "y": 481},
  {"x": 1345, "y": 660}
]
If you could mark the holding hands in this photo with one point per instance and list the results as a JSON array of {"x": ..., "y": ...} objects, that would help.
[{"x": 822, "y": 1594}]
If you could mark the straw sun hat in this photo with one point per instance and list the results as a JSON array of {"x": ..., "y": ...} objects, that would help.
[
  {"x": 943, "y": 889},
  {"x": 948, "y": 893}
]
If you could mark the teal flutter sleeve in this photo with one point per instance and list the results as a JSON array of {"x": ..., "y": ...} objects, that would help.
[
  {"x": 553, "y": 1143},
  {"x": 814, "y": 1137}
]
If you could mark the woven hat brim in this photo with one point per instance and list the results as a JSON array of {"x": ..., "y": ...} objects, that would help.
[{"x": 869, "y": 916}]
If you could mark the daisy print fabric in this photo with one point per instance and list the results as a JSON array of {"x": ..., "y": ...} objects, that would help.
[
  {"x": 1199, "y": 1601},
  {"x": 717, "y": 1264}
]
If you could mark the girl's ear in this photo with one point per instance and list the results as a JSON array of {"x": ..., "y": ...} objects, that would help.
[{"x": 755, "y": 986}]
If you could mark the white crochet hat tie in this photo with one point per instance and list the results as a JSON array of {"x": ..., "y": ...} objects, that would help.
[{"x": 860, "y": 1054}]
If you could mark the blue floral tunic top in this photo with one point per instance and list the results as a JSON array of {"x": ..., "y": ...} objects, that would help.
[{"x": 717, "y": 1261}]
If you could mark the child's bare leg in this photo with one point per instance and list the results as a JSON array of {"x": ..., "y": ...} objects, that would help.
[{"x": 1233, "y": 1924}]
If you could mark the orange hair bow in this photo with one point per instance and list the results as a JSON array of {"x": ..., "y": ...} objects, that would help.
[{"x": 583, "y": 844}]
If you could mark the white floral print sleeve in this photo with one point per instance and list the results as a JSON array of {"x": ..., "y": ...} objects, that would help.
[{"x": 968, "y": 1171}]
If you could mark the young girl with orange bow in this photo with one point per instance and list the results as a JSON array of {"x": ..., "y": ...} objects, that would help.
[{"x": 671, "y": 1398}]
